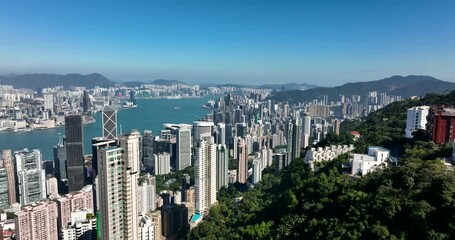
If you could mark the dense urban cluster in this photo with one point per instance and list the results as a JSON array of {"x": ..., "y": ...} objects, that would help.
[{"x": 142, "y": 185}]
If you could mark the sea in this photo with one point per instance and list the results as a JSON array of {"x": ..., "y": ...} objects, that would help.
[{"x": 150, "y": 114}]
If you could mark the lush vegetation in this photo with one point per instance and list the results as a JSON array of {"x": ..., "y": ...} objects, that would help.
[
  {"x": 414, "y": 200},
  {"x": 178, "y": 176}
]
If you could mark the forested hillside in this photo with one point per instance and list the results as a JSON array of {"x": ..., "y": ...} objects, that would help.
[{"x": 414, "y": 200}]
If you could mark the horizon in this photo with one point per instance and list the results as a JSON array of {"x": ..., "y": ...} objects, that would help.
[{"x": 325, "y": 44}]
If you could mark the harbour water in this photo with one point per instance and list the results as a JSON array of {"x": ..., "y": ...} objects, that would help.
[{"x": 150, "y": 114}]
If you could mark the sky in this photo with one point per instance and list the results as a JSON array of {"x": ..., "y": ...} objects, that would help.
[{"x": 326, "y": 43}]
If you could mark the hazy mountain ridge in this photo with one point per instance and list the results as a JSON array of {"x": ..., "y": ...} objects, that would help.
[
  {"x": 408, "y": 86},
  {"x": 43, "y": 80}
]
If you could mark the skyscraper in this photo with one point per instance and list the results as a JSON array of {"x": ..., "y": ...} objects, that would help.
[
  {"x": 9, "y": 166},
  {"x": 257, "y": 171},
  {"x": 60, "y": 165},
  {"x": 147, "y": 150},
  {"x": 49, "y": 102},
  {"x": 202, "y": 130},
  {"x": 161, "y": 163},
  {"x": 31, "y": 176},
  {"x": 306, "y": 130},
  {"x": 130, "y": 146},
  {"x": 183, "y": 143},
  {"x": 4, "y": 203},
  {"x": 98, "y": 143},
  {"x": 222, "y": 164},
  {"x": 118, "y": 171},
  {"x": 242, "y": 157},
  {"x": 221, "y": 133},
  {"x": 294, "y": 138},
  {"x": 205, "y": 176},
  {"x": 109, "y": 123},
  {"x": 86, "y": 101},
  {"x": 74, "y": 152},
  {"x": 148, "y": 194}
]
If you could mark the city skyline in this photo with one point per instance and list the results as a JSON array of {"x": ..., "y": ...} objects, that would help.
[{"x": 260, "y": 42}]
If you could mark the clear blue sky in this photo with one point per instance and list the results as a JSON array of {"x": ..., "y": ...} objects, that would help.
[{"x": 320, "y": 42}]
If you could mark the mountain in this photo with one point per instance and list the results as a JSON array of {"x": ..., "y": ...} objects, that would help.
[
  {"x": 281, "y": 87},
  {"x": 167, "y": 82},
  {"x": 41, "y": 80},
  {"x": 289, "y": 86},
  {"x": 396, "y": 85},
  {"x": 133, "y": 84}
]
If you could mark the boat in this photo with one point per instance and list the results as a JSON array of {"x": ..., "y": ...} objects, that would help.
[
  {"x": 173, "y": 97},
  {"x": 176, "y": 108}
]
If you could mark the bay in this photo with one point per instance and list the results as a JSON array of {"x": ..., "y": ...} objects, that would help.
[{"x": 150, "y": 114}]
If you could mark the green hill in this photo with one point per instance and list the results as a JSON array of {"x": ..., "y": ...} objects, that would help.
[{"x": 414, "y": 200}]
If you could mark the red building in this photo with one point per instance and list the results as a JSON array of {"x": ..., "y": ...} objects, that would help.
[{"x": 443, "y": 126}]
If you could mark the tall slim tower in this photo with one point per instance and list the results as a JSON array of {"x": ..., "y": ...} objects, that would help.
[
  {"x": 31, "y": 176},
  {"x": 294, "y": 139},
  {"x": 4, "y": 203},
  {"x": 86, "y": 101},
  {"x": 74, "y": 152},
  {"x": 130, "y": 146},
  {"x": 118, "y": 172},
  {"x": 222, "y": 164},
  {"x": 205, "y": 176},
  {"x": 49, "y": 102},
  {"x": 242, "y": 157},
  {"x": 9, "y": 166},
  {"x": 109, "y": 123}
]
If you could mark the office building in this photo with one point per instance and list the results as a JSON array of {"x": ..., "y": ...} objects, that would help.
[
  {"x": 202, "y": 130},
  {"x": 183, "y": 144},
  {"x": 416, "y": 119},
  {"x": 4, "y": 202},
  {"x": 74, "y": 152},
  {"x": 205, "y": 176},
  {"x": 10, "y": 174},
  {"x": 60, "y": 165},
  {"x": 86, "y": 105},
  {"x": 109, "y": 116},
  {"x": 31, "y": 176},
  {"x": 147, "y": 150},
  {"x": 37, "y": 222}
]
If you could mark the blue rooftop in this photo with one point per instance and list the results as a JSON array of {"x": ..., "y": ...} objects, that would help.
[{"x": 196, "y": 217}]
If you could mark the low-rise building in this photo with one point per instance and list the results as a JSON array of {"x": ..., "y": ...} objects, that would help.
[{"x": 361, "y": 164}]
